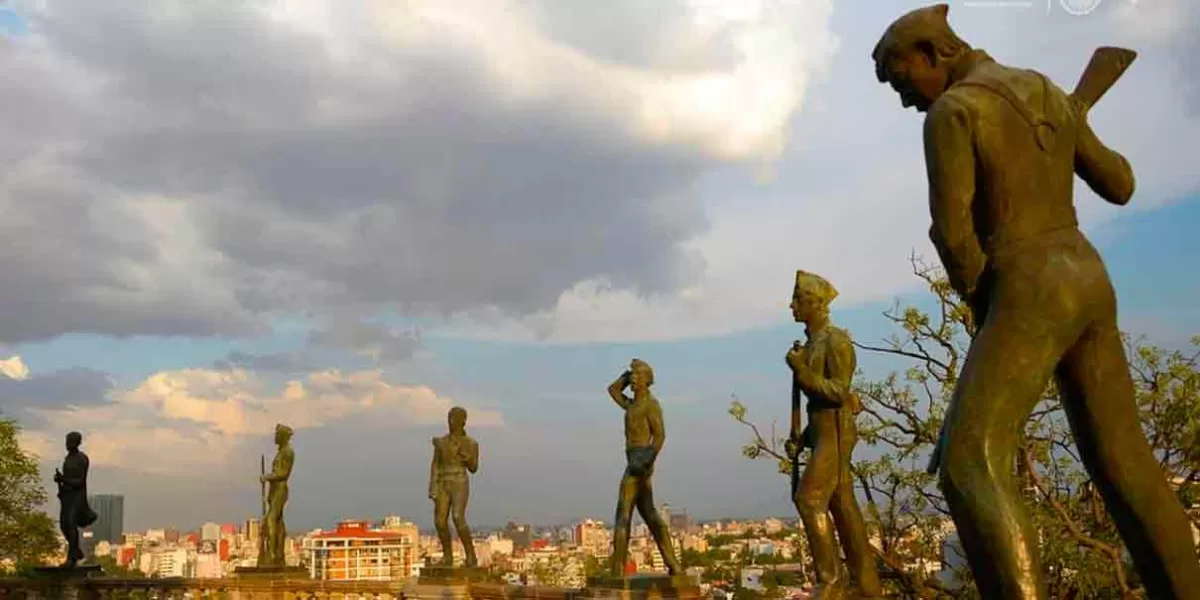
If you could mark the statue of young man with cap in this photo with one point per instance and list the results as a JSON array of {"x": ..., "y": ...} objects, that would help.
[
  {"x": 822, "y": 370},
  {"x": 1002, "y": 147}
]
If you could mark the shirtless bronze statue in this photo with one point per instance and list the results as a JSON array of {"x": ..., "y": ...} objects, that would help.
[
  {"x": 455, "y": 456},
  {"x": 1002, "y": 147},
  {"x": 822, "y": 370},
  {"x": 644, "y": 438},
  {"x": 271, "y": 552}
]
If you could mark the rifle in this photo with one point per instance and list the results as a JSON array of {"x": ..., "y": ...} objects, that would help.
[
  {"x": 262, "y": 526},
  {"x": 1107, "y": 65},
  {"x": 795, "y": 434}
]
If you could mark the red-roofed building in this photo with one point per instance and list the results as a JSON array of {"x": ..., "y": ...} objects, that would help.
[
  {"x": 539, "y": 544},
  {"x": 355, "y": 552},
  {"x": 228, "y": 529}
]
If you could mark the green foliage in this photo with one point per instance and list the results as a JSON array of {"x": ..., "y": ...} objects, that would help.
[
  {"x": 27, "y": 535},
  {"x": 593, "y": 565},
  {"x": 903, "y": 414}
]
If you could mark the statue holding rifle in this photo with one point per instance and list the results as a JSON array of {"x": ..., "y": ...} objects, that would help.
[
  {"x": 271, "y": 550},
  {"x": 1002, "y": 147},
  {"x": 455, "y": 457},
  {"x": 822, "y": 369}
]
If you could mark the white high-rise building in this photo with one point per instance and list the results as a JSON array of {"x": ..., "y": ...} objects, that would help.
[{"x": 173, "y": 563}]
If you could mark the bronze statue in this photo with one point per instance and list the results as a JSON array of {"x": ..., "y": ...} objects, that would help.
[
  {"x": 1002, "y": 146},
  {"x": 644, "y": 438},
  {"x": 455, "y": 455},
  {"x": 74, "y": 511},
  {"x": 271, "y": 550},
  {"x": 822, "y": 370}
]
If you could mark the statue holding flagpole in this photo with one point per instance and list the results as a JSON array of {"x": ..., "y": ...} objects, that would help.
[{"x": 275, "y": 496}]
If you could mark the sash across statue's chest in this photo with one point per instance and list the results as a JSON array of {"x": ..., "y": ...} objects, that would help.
[{"x": 815, "y": 350}]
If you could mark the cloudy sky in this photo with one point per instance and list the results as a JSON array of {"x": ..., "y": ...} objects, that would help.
[{"x": 351, "y": 216}]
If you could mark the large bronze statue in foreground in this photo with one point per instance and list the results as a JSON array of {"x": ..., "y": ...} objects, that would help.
[
  {"x": 271, "y": 551},
  {"x": 644, "y": 438},
  {"x": 822, "y": 369},
  {"x": 1002, "y": 146},
  {"x": 455, "y": 457}
]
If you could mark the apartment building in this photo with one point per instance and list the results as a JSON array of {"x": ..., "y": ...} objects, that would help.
[{"x": 355, "y": 552}]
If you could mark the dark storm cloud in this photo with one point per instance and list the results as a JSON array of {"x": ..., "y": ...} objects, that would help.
[
  {"x": 302, "y": 181},
  {"x": 385, "y": 344},
  {"x": 56, "y": 390},
  {"x": 276, "y": 362}
]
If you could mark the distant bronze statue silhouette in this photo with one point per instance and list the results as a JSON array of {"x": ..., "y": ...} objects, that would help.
[
  {"x": 645, "y": 435},
  {"x": 822, "y": 370},
  {"x": 455, "y": 458},
  {"x": 1002, "y": 147},
  {"x": 74, "y": 511},
  {"x": 271, "y": 552}
]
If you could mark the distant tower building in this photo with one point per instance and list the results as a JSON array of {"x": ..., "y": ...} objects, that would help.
[
  {"x": 210, "y": 532},
  {"x": 110, "y": 521},
  {"x": 680, "y": 523},
  {"x": 252, "y": 530},
  {"x": 412, "y": 536},
  {"x": 593, "y": 537}
]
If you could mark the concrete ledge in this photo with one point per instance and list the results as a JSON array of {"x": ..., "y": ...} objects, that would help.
[
  {"x": 64, "y": 573},
  {"x": 643, "y": 586},
  {"x": 272, "y": 573},
  {"x": 438, "y": 575},
  {"x": 504, "y": 591}
]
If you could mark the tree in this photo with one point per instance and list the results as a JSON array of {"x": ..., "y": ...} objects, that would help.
[
  {"x": 902, "y": 416},
  {"x": 594, "y": 566},
  {"x": 27, "y": 535}
]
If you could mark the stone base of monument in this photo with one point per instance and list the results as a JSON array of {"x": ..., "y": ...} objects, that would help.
[
  {"x": 446, "y": 583},
  {"x": 76, "y": 572},
  {"x": 271, "y": 573},
  {"x": 643, "y": 586}
]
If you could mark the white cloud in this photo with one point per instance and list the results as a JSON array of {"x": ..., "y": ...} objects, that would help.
[
  {"x": 14, "y": 367},
  {"x": 572, "y": 170},
  {"x": 736, "y": 111},
  {"x": 849, "y": 201},
  {"x": 191, "y": 169},
  {"x": 178, "y": 420}
]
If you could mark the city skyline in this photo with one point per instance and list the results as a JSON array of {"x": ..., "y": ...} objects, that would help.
[{"x": 221, "y": 220}]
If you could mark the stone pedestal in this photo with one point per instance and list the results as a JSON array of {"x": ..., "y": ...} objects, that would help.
[
  {"x": 271, "y": 573},
  {"x": 643, "y": 586},
  {"x": 55, "y": 583},
  {"x": 447, "y": 583}
]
